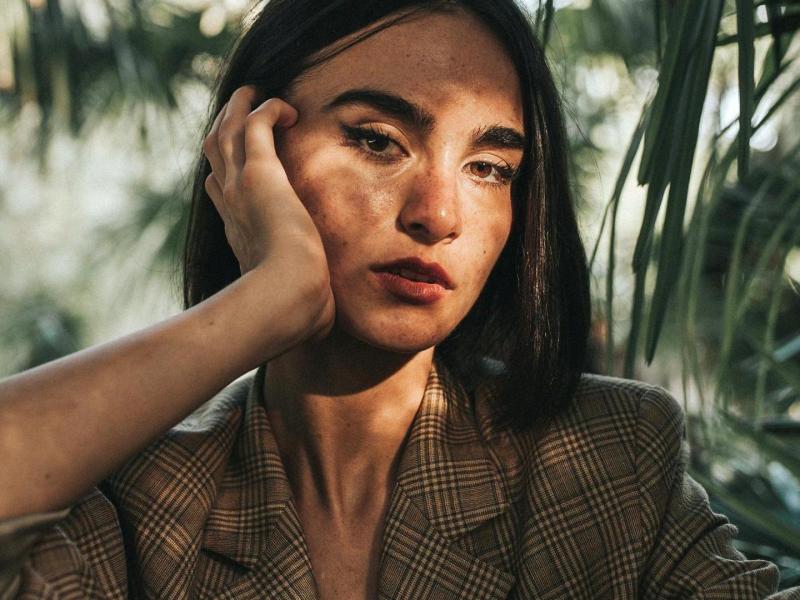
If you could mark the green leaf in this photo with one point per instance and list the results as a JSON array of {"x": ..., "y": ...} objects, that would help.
[
  {"x": 655, "y": 194},
  {"x": 787, "y": 93},
  {"x": 768, "y": 344},
  {"x": 627, "y": 163},
  {"x": 690, "y": 110},
  {"x": 637, "y": 311},
  {"x": 788, "y": 23},
  {"x": 789, "y": 372},
  {"x": 683, "y": 35},
  {"x": 789, "y": 198},
  {"x": 674, "y": 120},
  {"x": 670, "y": 258},
  {"x": 657, "y": 28},
  {"x": 549, "y": 12},
  {"x": 622, "y": 177},
  {"x": 688, "y": 292},
  {"x": 773, "y": 15},
  {"x": 745, "y": 15}
]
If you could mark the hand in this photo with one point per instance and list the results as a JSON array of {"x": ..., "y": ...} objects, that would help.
[{"x": 266, "y": 224}]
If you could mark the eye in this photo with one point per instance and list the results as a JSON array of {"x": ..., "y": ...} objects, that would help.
[
  {"x": 492, "y": 173},
  {"x": 481, "y": 169},
  {"x": 374, "y": 142}
]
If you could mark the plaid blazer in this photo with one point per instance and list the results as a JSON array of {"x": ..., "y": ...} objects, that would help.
[{"x": 598, "y": 505}]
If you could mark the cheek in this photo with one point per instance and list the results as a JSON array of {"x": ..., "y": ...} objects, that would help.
[
  {"x": 295, "y": 148},
  {"x": 349, "y": 204},
  {"x": 345, "y": 234},
  {"x": 489, "y": 242}
]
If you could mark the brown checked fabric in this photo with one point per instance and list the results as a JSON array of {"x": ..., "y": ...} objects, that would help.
[{"x": 596, "y": 506}]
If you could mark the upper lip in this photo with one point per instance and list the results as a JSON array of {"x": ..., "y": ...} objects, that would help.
[{"x": 412, "y": 263}]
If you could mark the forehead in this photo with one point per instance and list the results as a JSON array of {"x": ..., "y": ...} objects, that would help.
[{"x": 437, "y": 59}]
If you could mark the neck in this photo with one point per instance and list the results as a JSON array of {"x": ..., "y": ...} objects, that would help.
[{"x": 341, "y": 411}]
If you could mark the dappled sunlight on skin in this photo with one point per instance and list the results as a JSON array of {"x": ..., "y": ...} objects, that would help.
[{"x": 364, "y": 208}]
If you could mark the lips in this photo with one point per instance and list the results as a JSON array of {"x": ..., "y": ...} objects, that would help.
[{"x": 416, "y": 269}]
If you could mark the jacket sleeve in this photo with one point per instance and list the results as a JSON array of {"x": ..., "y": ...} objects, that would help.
[
  {"x": 691, "y": 551},
  {"x": 76, "y": 551},
  {"x": 18, "y": 536}
]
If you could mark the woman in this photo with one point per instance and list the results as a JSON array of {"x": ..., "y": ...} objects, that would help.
[{"x": 381, "y": 224}]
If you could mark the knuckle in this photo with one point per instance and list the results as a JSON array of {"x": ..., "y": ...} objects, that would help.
[
  {"x": 245, "y": 91},
  {"x": 226, "y": 120},
  {"x": 209, "y": 143},
  {"x": 273, "y": 106},
  {"x": 229, "y": 192},
  {"x": 269, "y": 109},
  {"x": 250, "y": 177},
  {"x": 252, "y": 118},
  {"x": 226, "y": 141},
  {"x": 210, "y": 185},
  {"x": 228, "y": 131}
]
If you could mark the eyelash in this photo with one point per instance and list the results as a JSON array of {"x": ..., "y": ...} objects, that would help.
[{"x": 354, "y": 136}]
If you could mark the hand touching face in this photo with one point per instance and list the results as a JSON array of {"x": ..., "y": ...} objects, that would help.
[{"x": 266, "y": 224}]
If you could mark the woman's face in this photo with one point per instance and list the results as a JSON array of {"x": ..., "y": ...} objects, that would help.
[{"x": 405, "y": 149}]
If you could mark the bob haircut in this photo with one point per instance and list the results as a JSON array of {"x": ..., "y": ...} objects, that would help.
[{"x": 525, "y": 339}]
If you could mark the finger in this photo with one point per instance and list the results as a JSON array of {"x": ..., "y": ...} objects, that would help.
[
  {"x": 211, "y": 147},
  {"x": 232, "y": 126},
  {"x": 214, "y": 191},
  {"x": 259, "y": 136}
]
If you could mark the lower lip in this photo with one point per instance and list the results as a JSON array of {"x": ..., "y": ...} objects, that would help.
[{"x": 416, "y": 292}]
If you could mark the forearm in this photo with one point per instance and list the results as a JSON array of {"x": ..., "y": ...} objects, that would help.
[{"x": 66, "y": 425}]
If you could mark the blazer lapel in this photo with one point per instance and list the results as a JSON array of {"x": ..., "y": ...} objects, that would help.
[
  {"x": 253, "y": 521},
  {"x": 447, "y": 486},
  {"x": 284, "y": 570},
  {"x": 163, "y": 496}
]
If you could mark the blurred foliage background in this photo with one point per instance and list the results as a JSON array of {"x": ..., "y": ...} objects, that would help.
[{"x": 683, "y": 122}]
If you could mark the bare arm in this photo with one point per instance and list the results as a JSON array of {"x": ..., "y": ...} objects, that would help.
[{"x": 66, "y": 425}]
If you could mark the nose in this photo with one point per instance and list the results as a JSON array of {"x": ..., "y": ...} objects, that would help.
[{"x": 431, "y": 211}]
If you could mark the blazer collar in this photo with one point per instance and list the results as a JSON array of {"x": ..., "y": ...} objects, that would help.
[
  {"x": 447, "y": 485},
  {"x": 446, "y": 468}
]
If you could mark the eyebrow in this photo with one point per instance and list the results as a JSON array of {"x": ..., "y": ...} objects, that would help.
[
  {"x": 497, "y": 136},
  {"x": 393, "y": 105},
  {"x": 492, "y": 136}
]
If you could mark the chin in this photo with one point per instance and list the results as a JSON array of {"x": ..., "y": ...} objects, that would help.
[
  {"x": 403, "y": 336},
  {"x": 413, "y": 345}
]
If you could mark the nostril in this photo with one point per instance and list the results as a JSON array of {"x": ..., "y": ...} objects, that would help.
[{"x": 430, "y": 219}]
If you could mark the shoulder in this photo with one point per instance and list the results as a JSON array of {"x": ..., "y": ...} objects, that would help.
[
  {"x": 215, "y": 423},
  {"x": 615, "y": 432},
  {"x": 191, "y": 452},
  {"x": 219, "y": 417},
  {"x": 623, "y": 399},
  {"x": 610, "y": 455},
  {"x": 216, "y": 413},
  {"x": 647, "y": 416},
  {"x": 607, "y": 409},
  {"x": 624, "y": 410},
  {"x": 644, "y": 421}
]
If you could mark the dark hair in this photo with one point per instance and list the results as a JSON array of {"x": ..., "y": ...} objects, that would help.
[{"x": 526, "y": 336}]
